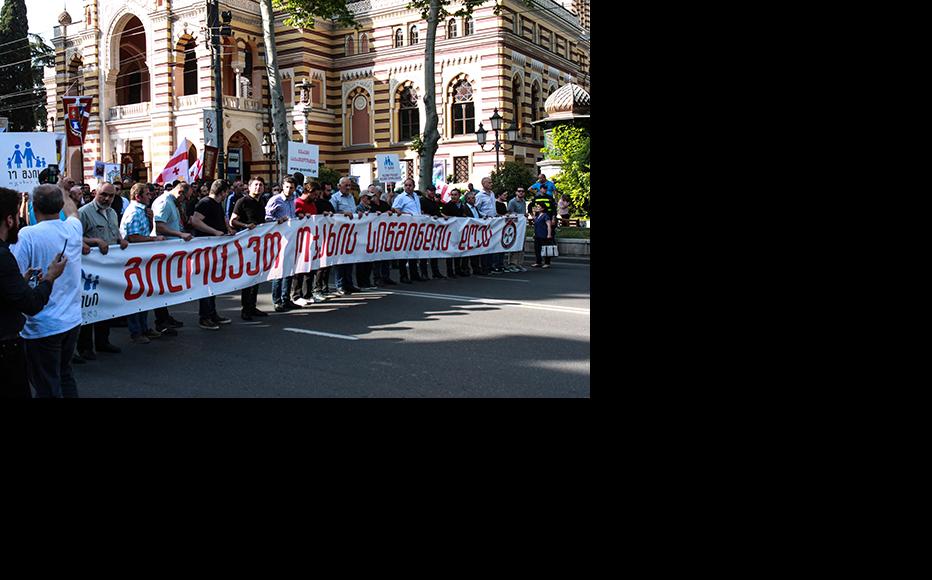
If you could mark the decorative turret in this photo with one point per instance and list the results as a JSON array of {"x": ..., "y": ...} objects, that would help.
[{"x": 65, "y": 19}]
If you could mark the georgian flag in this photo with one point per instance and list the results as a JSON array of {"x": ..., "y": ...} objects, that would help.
[
  {"x": 177, "y": 167},
  {"x": 197, "y": 170}
]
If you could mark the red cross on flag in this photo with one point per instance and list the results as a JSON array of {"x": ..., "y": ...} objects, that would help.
[{"x": 177, "y": 165}]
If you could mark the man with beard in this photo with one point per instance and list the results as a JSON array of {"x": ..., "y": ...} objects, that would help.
[
  {"x": 430, "y": 205},
  {"x": 17, "y": 298},
  {"x": 101, "y": 228},
  {"x": 456, "y": 209}
]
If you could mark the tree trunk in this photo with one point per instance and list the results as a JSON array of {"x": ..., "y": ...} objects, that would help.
[
  {"x": 280, "y": 131},
  {"x": 431, "y": 136}
]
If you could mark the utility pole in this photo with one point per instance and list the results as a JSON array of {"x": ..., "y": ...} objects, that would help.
[{"x": 213, "y": 24}]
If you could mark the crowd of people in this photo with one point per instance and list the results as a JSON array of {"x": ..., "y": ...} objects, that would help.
[{"x": 43, "y": 235}]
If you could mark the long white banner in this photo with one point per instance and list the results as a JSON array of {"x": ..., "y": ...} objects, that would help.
[{"x": 150, "y": 275}]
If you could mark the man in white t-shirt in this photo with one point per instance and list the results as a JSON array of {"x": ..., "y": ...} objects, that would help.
[{"x": 51, "y": 335}]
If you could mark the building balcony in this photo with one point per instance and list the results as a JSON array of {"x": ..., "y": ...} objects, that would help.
[
  {"x": 129, "y": 111},
  {"x": 188, "y": 102},
  {"x": 241, "y": 104}
]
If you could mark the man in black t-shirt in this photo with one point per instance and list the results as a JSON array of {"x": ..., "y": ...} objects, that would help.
[
  {"x": 248, "y": 213},
  {"x": 209, "y": 219}
]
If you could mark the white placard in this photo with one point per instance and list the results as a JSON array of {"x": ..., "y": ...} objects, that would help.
[
  {"x": 388, "y": 167},
  {"x": 23, "y": 156},
  {"x": 303, "y": 158}
]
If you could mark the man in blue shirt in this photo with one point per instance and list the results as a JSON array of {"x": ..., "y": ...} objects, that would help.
[
  {"x": 281, "y": 208},
  {"x": 548, "y": 186},
  {"x": 408, "y": 203},
  {"x": 344, "y": 203}
]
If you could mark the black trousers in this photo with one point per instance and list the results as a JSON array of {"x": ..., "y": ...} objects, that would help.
[
  {"x": 161, "y": 317},
  {"x": 91, "y": 335},
  {"x": 409, "y": 269},
  {"x": 538, "y": 244},
  {"x": 13, "y": 370},
  {"x": 302, "y": 286},
  {"x": 48, "y": 365},
  {"x": 248, "y": 297},
  {"x": 363, "y": 274}
]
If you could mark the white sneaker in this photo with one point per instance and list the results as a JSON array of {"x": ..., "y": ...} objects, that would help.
[{"x": 301, "y": 302}]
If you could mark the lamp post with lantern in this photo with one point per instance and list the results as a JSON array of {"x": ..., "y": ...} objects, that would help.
[{"x": 511, "y": 135}]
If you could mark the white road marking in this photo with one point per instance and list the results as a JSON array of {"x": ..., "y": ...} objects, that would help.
[
  {"x": 327, "y": 334},
  {"x": 495, "y": 302},
  {"x": 502, "y": 279}
]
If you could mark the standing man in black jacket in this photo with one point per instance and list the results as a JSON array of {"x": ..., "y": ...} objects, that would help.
[
  {"x": 430, "y": 205},
  {"x": 456, "y": 209},
  {"x": 17, "y": 298}
]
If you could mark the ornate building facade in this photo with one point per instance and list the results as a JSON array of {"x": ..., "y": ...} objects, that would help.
[{"x": 148, "y": 65}]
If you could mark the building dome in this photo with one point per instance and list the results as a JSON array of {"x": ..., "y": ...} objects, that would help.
[
  {"x": 569, "y": 99},
  {"x": 65, "y": 19}
]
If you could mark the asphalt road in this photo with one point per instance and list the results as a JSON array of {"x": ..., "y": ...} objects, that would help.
[{"x": 513, "y": 335}]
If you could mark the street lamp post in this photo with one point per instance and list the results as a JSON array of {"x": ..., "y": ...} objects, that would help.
[
  {"x": 305, "y": 100},
  {"x": 216, "y": 31},
  {"x": 511, "y": 135}
]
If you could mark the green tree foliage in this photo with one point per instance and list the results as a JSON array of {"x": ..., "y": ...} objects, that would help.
[
  {"x": 18, "y": 99},
  {"x": 304, "y": 13},
  {"x": 43, "y": 55},
  {"x": 571, "y": 145},
  {"x": 513, "y": 175},
  {"x": 327, "y": 175}
]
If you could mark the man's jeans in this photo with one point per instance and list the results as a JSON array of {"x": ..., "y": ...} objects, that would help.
[
  {"x": 137, "y": 323},
  {"x": 48, "y": 365},
  {"x": 281, "y": 290}
]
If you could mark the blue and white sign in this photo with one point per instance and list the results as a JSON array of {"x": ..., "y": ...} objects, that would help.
[
  {"x": 389, "y": 168},
  {"x": 24, "y": 155}
]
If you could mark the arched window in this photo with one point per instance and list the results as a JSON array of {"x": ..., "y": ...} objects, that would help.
[
  {"x": 409, "y": 121},
  {"x": 349, "y": 45},
  {"x": 463, "y": 113},
  {"x": 451, "y": 28},
  {"x": 359, "y": 119},
  {"x": 469, "y": 26},
  {"x": 363, "y": 44},
  {"x": 247, "y": 61},
  {"x": 190, "y": 68},
  {"x": 399, "y": 38},
  {"x": 516, "y": 101},
  {"x": 412, "y": 36}
]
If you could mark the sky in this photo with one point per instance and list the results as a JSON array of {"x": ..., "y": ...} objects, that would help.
[{"x": 43, "y": 14}]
